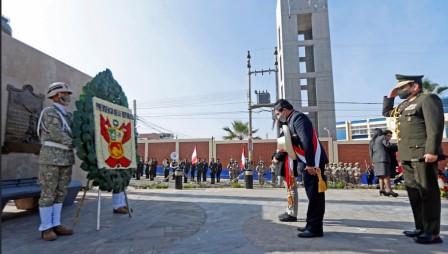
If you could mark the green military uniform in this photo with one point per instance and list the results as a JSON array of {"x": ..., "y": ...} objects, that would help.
[{"x": 419, "y": 131}]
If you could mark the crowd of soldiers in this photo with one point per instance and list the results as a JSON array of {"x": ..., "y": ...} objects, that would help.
[
  {"x": 342, "y": 172},
  {"x": 347, "y": 173},
  {"x": 148, "y": 168},
  {"x": 234, "y": 170},
  {"x": 196, "y": 172}
]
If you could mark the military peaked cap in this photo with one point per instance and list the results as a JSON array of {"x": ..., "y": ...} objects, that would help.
[{"x": 406, "y": 79}]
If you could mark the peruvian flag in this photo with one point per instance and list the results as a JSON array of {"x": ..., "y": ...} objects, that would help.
[
  {"x": 243, "y": 160},
  {"x": 194, "y": 156}
]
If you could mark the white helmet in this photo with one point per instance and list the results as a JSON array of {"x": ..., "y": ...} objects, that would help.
[{"x": 57, "y": 87}]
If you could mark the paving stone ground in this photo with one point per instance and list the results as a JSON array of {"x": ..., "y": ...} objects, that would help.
[{"x": 225, "y": 220}]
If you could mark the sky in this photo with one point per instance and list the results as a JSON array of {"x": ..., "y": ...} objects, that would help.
[{"x": 184, "y": 61}]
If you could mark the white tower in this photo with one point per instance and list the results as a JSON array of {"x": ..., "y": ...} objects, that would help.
[{"x": 305, "y": 71}]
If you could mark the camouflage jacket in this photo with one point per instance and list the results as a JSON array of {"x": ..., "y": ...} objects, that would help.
[{"x": 52, "y": 129}]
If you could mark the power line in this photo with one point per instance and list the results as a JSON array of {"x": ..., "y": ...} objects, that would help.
[
  {"x": 159, "y": 128},
  {"x": 191, "y": 105}
]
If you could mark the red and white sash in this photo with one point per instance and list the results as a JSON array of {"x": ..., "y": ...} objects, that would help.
[{"x": 316, "y": 149}]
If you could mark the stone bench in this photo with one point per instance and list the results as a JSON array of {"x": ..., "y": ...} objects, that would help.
[{"x": 15, "y": 189}]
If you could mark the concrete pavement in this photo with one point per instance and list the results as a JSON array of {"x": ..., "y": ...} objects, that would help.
[{"x": 225, "y": 220}]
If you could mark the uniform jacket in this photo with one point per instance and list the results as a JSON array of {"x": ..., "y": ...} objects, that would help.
[
  {"x": 52, "y": 130},
  {"x": 420, "y": 125}
]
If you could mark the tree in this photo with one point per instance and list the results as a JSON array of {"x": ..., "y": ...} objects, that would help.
[
  {"x": 432, "y": 87},
  {"x": 240, "y": 131}
]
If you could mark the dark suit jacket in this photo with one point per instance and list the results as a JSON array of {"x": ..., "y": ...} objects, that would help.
[{"x": 378, "y": 150}]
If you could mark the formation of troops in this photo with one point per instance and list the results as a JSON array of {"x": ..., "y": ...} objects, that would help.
[
  {"x": 342, "y": 172},
  {"x": 347, "y": 173}
]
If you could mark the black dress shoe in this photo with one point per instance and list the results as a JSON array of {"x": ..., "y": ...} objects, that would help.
[
  {"x": 308, "y": 234},
  {"x": 428, "y": 239},
  {"x": 287, "y": 218},
  {"x": 301, "y": 229},
  {"x": 413, "y": 233}
]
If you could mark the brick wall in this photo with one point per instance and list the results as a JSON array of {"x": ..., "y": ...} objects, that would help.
[
  {"x": 264, "y": 151},
  {"x": 229, "y": 150},
  {"x": 353, "y": 153},
  {"x": 161, "y": 151},
  {"x": 186, "y": 149},
  {"x": 141, "y": 150},
  {"x": 347, "y": 151}
]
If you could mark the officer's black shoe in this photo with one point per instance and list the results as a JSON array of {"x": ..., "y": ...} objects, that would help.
[
  {"x": 302, "y": 229},
  {"x": 308, "y": 234},
  {"x": 413, "y": 233},
  {"x": 428, "y": 239},
  {"x": 287, "y": 218}
]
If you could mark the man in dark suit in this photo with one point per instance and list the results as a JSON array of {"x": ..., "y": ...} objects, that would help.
[
  {"x": 219, "y": 170},
  {"x": 204, "y": 170},
  {"x": 309, "y": 151}
]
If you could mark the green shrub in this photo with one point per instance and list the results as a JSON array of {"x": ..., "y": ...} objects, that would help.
[{"x": 236, "y": 185}]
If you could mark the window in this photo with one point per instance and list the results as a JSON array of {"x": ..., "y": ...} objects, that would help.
[
  {"x": 304, "y": 98},
  {"x": 302, "y": 67},
  {"x": 302, "y": 52}
]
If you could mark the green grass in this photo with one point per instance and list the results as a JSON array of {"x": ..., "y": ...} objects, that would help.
[
  {"x": 337, "y": 185},
  {"x": 236, "y": 185},
  {"x": 152, "y": 186}
]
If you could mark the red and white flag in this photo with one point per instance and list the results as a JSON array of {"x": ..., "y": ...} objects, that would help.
[
  {"x": 194, "y": 156},
  {"x": 243, "y": 160}
]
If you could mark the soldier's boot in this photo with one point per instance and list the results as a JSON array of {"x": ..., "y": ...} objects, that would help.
[
  {"x": 49, "y": 235},
  {"x": 121, "y": 210},
  {"x": 58, "y": 228},
  {"x": 46, "y": 223},
  {"x": 61, "y": 230}
]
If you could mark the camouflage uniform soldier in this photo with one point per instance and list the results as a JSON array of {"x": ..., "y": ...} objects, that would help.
[
  {"x": 55, "y": 160},
  {"x": 236, "y": 171},
  {"x": 357, "y": 173},
  {"x": 327, "y": 171},
  {"x": 230, "y": 168},
  {"x": 274, "y": 172},
  {"x": 260, "y": 169}
]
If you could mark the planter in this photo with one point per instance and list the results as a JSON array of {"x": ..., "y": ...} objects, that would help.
[{"x": 27, "y": 203}]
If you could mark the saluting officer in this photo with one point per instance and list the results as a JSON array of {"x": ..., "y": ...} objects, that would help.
[
  {"x": 419, "y": 131},
  {"x": 55, "y": 160}
]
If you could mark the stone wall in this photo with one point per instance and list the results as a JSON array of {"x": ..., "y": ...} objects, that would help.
[{"x": 24, "y": 65}]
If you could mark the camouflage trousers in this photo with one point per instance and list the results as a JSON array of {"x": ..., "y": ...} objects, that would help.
[
  {"x": 54, "y": 181},
  {"x": 261, "y": 178}
]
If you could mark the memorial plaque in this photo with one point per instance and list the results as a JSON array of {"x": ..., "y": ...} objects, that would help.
[{"x": 23, "y": 109}]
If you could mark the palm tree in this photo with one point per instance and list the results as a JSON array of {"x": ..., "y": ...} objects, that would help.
[
  {"x": 433, "y": 87},
  {"x": 240, "y": 131}
]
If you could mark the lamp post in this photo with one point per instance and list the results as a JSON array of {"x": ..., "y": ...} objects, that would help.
[{"x": 328, "y": 132}]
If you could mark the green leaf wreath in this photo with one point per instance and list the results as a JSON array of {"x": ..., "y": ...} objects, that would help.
[{"x": 105, "y": 87}]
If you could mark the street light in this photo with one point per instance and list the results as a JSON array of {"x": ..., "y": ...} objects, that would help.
[{"x": 328, "y": 131}]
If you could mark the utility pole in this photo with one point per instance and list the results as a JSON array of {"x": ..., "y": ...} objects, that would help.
[
  {"x": 249, "y": 95},
  {"x": 276, "y": 87},
  {"x": 135, "y": 114}
]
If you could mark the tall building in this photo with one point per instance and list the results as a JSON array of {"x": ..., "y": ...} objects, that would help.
[{"x": 305, "y": 69}]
